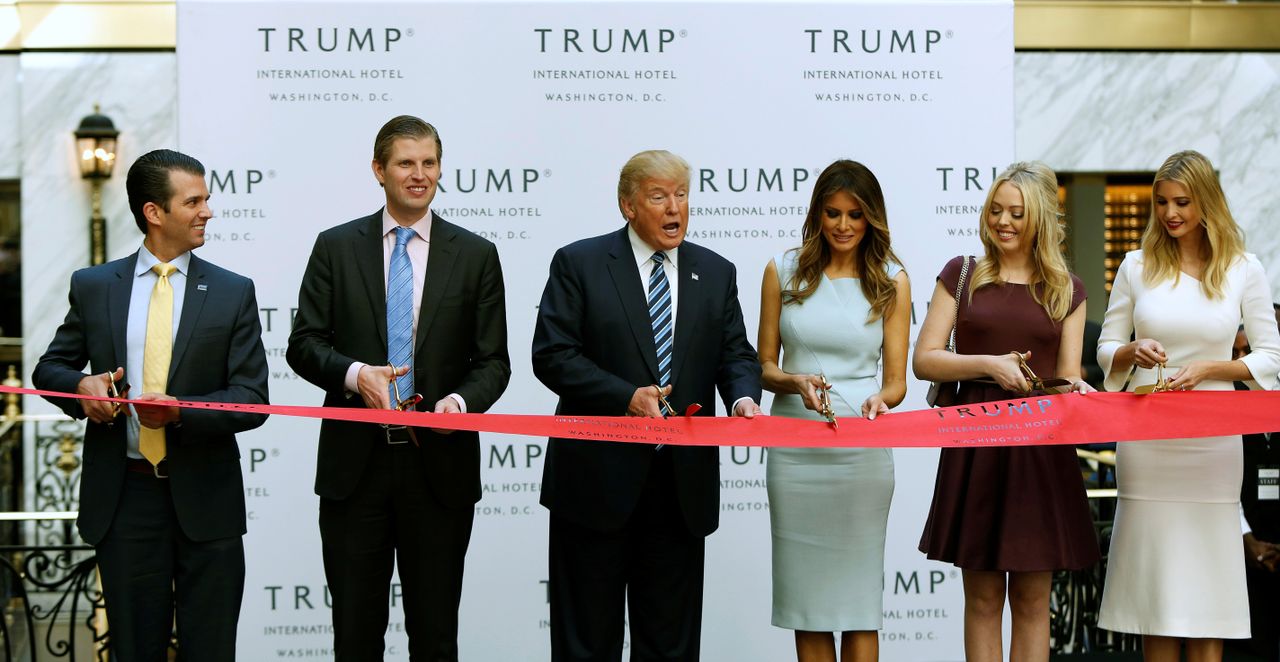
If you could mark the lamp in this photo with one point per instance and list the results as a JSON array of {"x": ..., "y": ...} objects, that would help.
[{"x": 96, "y": 152}]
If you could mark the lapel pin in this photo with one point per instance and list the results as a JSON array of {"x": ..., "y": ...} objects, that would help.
[
  {"x": 202, "y": 287},
  {"x": 694, "y": 275}
]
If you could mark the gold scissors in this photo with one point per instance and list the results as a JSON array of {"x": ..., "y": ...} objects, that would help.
[
  {"x": 824, "y": 401},
  {"x": 407, "y": 404},
  {"x": 1054, "y": 385},
  {"x": 115, "y": 392},
  {"x": 1161, "y": 385},
  {"x": 665, "y": 408}
]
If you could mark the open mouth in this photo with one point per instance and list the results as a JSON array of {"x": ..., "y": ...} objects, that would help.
[
  {"x": 1174, "y": 225},
  {"x": 671, "y": 229},
  {"x": 1006, "y": 235}
]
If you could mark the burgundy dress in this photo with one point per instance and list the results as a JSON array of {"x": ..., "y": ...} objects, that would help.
[{"x": 1017, "y": 509}]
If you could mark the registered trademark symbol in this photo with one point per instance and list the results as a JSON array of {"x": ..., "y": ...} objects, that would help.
[
  {"x": 275, "y": 452},
  {"x": 271, "y": 174},
  {"x": 684, "y": 33},
  {"x": 546, "y": 173},
  {"x": 410, "y": 32},
  {"x": 950, "y": 34}
]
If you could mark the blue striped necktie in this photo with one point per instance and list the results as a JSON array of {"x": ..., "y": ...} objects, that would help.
[
  {"x": 400, "y": 314},
  {"x": 660, "y": 317}
]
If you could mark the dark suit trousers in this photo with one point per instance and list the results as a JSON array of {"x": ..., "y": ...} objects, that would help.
[
  {"x": 654, "y": 564},
  {"x": 393, "y": 520},
  {"x": 148, "y": 566}
]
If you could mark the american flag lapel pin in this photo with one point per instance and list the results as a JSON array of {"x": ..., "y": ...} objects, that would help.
[
  {"x": 202, "y": 287},
  {"x": 694, "y": 275}
]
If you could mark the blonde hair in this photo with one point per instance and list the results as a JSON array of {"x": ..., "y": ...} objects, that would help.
[
  {"x": 874, "y": 252},
  {"x": 650, "y": 164},
  {"x": 1224, "y": 243},
  {"x": 1050, "y": 282}
]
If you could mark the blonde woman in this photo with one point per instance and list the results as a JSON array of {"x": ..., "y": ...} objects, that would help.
[
  {"x": 1176, "y": 570},
  {"x": 1009, "y": 517},
  {"x": 834, "y": 308}
]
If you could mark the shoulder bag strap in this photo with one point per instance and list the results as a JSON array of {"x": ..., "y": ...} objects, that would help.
[{"x": 964, "y": 277}]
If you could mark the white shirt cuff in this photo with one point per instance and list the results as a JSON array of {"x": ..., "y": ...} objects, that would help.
[
  {"x": 462, "y": 404},
  {"x": 352, "y": 382},
  {"x": 734, "y": 410},
  {"x": 1245, "y": 529}
]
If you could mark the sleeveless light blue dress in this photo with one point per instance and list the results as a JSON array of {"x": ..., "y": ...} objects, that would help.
[{"x": 828, "y": 507}]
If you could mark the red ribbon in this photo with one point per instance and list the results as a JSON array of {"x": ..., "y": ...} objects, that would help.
[{"x": 1033, "y": 421}]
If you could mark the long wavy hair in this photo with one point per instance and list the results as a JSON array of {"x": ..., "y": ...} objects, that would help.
[
  {"x": 1050, "y": 282},
  {"x": 1224, "y": 242},
  {"x": 873, "y": 253}
]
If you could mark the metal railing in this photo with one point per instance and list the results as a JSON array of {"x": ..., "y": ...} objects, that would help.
[
  {"x": 51, "y": 605},
  {"x": 1076, "y": 595}
]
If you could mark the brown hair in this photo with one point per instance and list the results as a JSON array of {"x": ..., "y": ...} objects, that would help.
[
  {"x": 403, "y": 126},
  {"x": 873, "y": 253}
]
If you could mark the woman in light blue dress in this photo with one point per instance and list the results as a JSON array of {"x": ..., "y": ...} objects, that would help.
[{"x": 833, "y": 308}]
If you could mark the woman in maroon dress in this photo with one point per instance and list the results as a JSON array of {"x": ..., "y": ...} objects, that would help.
[{"x": 1008, "y": 517}]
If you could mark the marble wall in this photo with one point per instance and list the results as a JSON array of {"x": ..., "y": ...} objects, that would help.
[
  {"x": 137, "y": 90},
  {"x": 1108, "y": 112},
  {"x": 10, "y": 111}
]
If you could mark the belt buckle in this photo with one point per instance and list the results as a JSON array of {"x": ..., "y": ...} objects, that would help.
[
  {"x": 388, "y": 429},
  {"x": 409, "y": 403},
  {"x": 155, "y": 468}
]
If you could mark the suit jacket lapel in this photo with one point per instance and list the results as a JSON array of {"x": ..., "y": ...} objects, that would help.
[
  {"x": 626, "y": 278},
  {"x": 441, "y": 254},
  {"x": 118, "y": 296},
  {"x": 687, "y": 309},
  {"x": 192, "y": 304},
  {"x": 368, "y": 254}
]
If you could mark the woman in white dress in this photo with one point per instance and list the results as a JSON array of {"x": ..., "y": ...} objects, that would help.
[
  {"x": 835, "y": 307},
  {"x": 1176, "y": 567}
]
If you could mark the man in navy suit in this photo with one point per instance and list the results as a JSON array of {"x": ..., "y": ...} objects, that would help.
[
  {"x": 166, "y": 520},
  {"x": 637, "y": 322},
  {"x": 398, "y": 302}
]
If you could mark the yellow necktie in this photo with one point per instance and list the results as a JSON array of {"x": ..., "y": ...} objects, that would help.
[{"x": 156, "y": 356}]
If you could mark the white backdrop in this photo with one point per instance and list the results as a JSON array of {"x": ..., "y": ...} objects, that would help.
[{"x": 538, "y": 105}]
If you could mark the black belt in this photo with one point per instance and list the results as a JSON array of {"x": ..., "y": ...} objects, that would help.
[
  {"x": 399, "y": 434},
  {"x": 145, "y": 467}
]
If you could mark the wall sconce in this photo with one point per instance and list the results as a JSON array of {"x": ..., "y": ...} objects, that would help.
[{"x": 96, "y": 152}]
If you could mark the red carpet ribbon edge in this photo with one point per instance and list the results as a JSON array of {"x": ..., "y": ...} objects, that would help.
[{"x": 1033, "y": 421}]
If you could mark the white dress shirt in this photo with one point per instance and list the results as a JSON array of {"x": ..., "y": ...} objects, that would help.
[
  {"x": 144, "y": 281},
  {"x": 418, "y": 247},
  {"x": 671, "y": 267}
]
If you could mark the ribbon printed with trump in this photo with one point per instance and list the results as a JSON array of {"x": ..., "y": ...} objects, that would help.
[{"x": 1049, "y": 420}]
